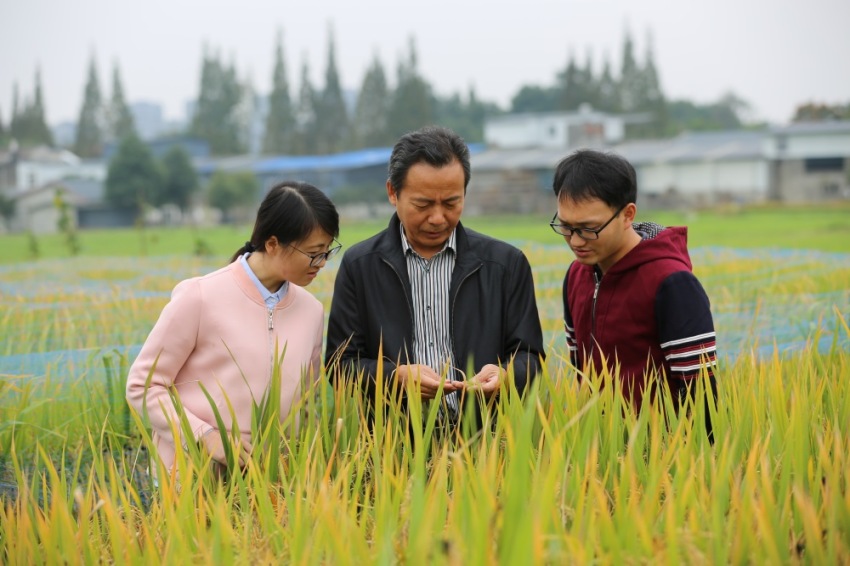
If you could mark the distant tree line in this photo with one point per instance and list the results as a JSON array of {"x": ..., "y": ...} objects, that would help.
[
  {"x": 304, "y": 119},
  {"x": 27, "y": 126}
]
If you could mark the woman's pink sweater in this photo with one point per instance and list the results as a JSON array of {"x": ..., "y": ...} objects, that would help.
[{"x": 217, "y": 331}]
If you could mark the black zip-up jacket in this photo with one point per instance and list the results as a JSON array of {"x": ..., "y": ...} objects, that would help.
[{"x": 493, "y": 312}]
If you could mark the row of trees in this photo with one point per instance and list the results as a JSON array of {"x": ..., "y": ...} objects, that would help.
[
  {"x": 100, "y": 120},
  {"x": 137, "y": 180},
  {"x": 27, "y": 124},
  {"x": 316, "y": 119}
]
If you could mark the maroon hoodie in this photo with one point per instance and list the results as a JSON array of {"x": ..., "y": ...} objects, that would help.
[{"x": 649, "y": 312}]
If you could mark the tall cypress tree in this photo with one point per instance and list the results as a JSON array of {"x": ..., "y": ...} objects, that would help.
[
  {"x": 90, "y": 125},
  {"x": 332, "y": 126},
  {"x": 305, "y": 116},
  {"x": 133, "y": 178},
  {"x": 3, "y": 134},
  {"x": 121, "y": 123},
  {"x": 630, "y": 77},
  {"x": 590, "y": 86},
  {"x": 369, "y": 128},
  {"x": 578, "y": 86},
  {"x": 571, "y": 89},
  {"x": 651, "y": 95},
  {"x": 39, "y": 131},
  {"x": 411, "y": 106},
  {"x": 478, "y": 110},
  {"x": 607, "y": 98},
  {"x": 15, "y": 119},
  {"x": 216, "y": 117},
  {"x": 28, "y": 126},
  {"x": 279, "y": 135},
  {"x": 180, "y": 179}
]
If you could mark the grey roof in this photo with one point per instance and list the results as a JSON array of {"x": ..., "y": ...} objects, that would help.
[
  {"x": 690, "y": 147},
  {"x": 502, "y": 159},
  {"x": 825, "y": 127}
]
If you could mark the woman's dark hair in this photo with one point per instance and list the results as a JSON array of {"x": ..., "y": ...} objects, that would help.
[
  {"x": 291, "y": 211},
  {"x": 588, "y": 174},
  {"x": 434, "y": 145}
]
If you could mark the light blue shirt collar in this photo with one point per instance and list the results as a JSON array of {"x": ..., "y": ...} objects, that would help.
[{"x": 271, "y": 299}]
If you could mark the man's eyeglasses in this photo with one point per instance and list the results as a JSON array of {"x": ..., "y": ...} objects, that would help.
[
  {"x": 317, "y": 259},
  {"x": 583, "y": 233}
]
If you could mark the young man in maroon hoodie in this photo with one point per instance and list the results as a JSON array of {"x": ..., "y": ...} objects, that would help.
[{"x": 630, "y": 298}]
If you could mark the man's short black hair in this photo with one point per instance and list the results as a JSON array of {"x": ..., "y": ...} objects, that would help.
[
  {"x": 589, "y": 174},
  {"x": 435, "y": 145}
]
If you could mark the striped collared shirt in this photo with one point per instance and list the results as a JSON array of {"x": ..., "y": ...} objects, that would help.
[{"x": 430, "y": 280}]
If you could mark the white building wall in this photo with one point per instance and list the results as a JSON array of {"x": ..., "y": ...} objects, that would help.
[
  {"x": 547, "y": 130},
  {"x": 615, "y": 130},
  {"x": 37, "y": 213},
  {"x": 34, "y": 174},
  {"x": 743, "y": 176},
  {"x": 530, "y": 131},
  {"x": 801, "y": 147},
  {"x": 655, "y": 178},
  {"x": 746, "y": 178}
]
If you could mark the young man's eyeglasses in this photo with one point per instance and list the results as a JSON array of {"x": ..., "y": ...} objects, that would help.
[
  {"x": 317, "y": 259},
  {"x": 583, "y": 233}
]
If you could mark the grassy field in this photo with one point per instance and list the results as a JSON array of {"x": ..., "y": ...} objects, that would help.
[
  {"x": 563, "y": 476},
  {"x": 824, "y": 228}
]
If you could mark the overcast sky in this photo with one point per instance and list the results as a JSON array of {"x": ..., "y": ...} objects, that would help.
[{"x": 773, "y": 53}]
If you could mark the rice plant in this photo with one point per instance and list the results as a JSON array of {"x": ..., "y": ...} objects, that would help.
[{"x": 566, "y": 474}]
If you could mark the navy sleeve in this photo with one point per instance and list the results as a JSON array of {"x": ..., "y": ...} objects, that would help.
[
  {"x": 685, "y": 326},
  {"x": 686, "y": 332}
]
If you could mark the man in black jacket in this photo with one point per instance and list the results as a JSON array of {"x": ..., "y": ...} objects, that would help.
[{"x": 444, "y": 306}]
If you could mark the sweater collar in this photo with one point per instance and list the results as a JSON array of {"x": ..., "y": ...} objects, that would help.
[{"x": 250, "y": 289}]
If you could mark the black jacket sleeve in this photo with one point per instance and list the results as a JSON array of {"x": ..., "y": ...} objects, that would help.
[
  {"x": 347, "y": 353},
  {"x": 523, "y": 335}
]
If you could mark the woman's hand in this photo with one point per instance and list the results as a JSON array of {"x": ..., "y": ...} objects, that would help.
[{"x": 213, "y": 445}]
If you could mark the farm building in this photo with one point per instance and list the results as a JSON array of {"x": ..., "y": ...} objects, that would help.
[{"x": 803, "y": 162}]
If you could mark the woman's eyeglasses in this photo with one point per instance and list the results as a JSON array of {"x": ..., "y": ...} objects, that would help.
[{"x": 319, "y": 258}]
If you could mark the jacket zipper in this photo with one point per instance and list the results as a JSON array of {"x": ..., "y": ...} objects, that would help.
[
  {"x": 593, "y": 308},
  {"x": 454, "y": 302},
  {"x": 271, "y": 343}
]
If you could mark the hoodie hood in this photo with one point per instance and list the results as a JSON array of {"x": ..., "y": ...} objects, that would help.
[{"x": 657, "y": 243}]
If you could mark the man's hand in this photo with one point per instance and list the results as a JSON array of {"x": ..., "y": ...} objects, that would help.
[
  {"x": 428, "y": 380},
  {"x": 211, "y": 442},
  {"x": 488, "y": 380}
]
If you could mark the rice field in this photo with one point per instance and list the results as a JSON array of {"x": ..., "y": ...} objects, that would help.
[{"x": 564, "y": 475}]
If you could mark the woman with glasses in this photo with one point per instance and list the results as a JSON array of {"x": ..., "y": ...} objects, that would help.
[{"x": 222, "y": 334}]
